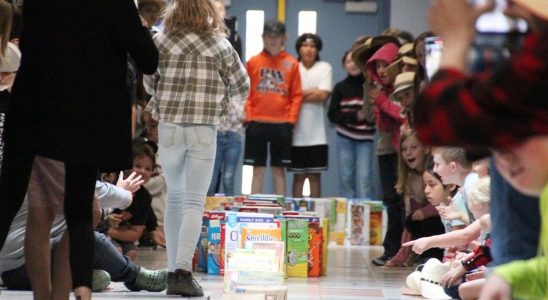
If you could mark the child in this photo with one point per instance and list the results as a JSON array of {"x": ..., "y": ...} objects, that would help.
[
  {"x": 354, "y": 136},
  {"x": 310, "y": 151},
  {"x": 454, "y": 168},
  {"x": 388, "y": 121},
  {"x": 190, "y": 93},
  {"x": 404, "y": 92},
  {"x": 272, "y": 109},
  {"x": 134, "y": 217},
  {"x": 422, "y": 219},
  {"x": 439, "y": 194}
]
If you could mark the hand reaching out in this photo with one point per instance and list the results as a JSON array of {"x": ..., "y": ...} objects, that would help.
[
  {"x": 132, "y": 183},
  {"x": 454, "y": 275},
  {"x": 496, "y": 289},
  {"x": 113, "y": 220},
  {"x": 418, "y": 245},
  {"x": 158, "y": 237},
  {"x": 449, "y": 212}
]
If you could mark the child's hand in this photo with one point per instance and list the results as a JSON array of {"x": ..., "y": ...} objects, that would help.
[
  {"x": 374, "y": 95},
  {"x": 453, "y": 276},
  {"x": 113, "y": 220},
  {"x": 449, "y": 212},
  {"x": 479, "y": 274},
  {"x": 419, "y": 245},
  {"x": 131, "y": 183},
  {"x": 158, "y": 237}
]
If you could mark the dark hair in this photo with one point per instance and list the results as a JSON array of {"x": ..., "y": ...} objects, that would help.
[
  {"x": 421, "y": 73},
  {"x": 140, "y": 149},
  {"x": 304, "y": 38},
  {"x": 430, "y": 170}
]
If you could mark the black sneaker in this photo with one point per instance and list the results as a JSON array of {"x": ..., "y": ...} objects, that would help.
[
  {"x": 182, "y": 283},
  {"x": 381, "y": 260}
]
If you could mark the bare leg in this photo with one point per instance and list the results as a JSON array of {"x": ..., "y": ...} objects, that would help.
[
  {"x": 278, "y": 173},
  {"x": 62, "y": 281},
  {"x": 298, "y": 182},
  {"x": 315, "y": 180},
  {"x": 257, "y": 181},
  {"x": 471, "y": 290},
  {"x": 37, "y": 250}
]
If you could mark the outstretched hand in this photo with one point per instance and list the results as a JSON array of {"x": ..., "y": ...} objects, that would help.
[
  {"x": 418, "y": 245},
  {"x": 496, "y": 289},
  {"x": 132, "y": 183}
]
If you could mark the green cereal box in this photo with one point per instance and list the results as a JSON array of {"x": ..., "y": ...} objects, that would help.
[{"x": 297, "y": 248}]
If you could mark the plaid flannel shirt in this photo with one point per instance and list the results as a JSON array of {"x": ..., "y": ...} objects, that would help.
[
  {"x": 196, "y": 76},
  {"x": 493, "y": 108}
]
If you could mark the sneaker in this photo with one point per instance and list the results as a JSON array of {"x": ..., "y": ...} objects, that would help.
[
  {"x": 381, "y": 260},
  {"x": 149, "y": 280},
  {"x": 182, "y": 283},
  {"x": 101, "y": 280}
]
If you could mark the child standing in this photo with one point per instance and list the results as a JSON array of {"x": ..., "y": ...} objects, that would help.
[
  {"x": 354, "y": 133},
  {"x": 309, "y": 152},
  {"x": 272, "y": 109},
  {"x": 422, "y": 219},
  {"x": 198, "y": 72}
]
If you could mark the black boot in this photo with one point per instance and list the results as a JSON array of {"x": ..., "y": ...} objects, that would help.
[{"x": 182, "y": 283}]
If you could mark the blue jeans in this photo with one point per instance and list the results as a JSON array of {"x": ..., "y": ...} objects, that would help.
[
  {"x": 229, "y": 147},
  {"x": 120, "y": 267},
  {"x": 187, "y": 153},
  {"x": 355, "y": 162}
]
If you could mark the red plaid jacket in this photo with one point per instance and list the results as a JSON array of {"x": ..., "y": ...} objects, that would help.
[{"x": 494, "y": 108}]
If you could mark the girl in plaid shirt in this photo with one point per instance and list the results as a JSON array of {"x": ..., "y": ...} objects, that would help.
[{"x": 198, "y": 73}]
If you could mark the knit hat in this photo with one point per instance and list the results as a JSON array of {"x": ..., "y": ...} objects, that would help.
[
  {"x": 362, "y": 53},
  {"x": 12, "y": 59}
]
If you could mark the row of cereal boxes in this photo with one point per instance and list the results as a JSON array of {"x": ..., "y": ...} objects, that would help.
[
  {"x": 305, "y": 230},
  {"x": 351, "y": 221}
]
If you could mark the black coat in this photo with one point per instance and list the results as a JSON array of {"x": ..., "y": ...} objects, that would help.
[{"x": 69, "y": 101}]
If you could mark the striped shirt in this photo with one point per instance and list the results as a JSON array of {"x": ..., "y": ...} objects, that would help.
[
  {"x": 346, "y": 101},
  {"x": 196, "y": 77}
]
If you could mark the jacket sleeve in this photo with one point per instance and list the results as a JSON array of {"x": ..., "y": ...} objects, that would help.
[
  {"x": 249, "y": 103},
  {"x": 134, "y": 36},
  {"x": 461, "y": 110},
  {"x": 237, "y": 78},
  {"x": 295, "y": 94},
  {"x": 389, "y": 107}
]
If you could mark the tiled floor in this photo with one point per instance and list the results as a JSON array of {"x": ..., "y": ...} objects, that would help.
[{"x": 350, "y": 276}]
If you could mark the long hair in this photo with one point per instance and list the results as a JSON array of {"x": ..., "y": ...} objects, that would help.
[
  {"x": 403, "y": 168},
  {"x": 197, "y": 16},
  {"x": 5, "y": 26}
]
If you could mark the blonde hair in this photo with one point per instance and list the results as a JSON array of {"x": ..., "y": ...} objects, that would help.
[
  {"x": 454, "y": 154},
  {"x": 480, "y": 192},
  {"x": 197, "y": 16},
  {"x": 403, "y": 168},
  {"x": 5, "y": 26}
]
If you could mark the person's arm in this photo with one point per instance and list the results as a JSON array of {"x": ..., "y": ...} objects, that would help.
[
  {"x": 453, "y": 238},
  {"x": 129, "y": 234},
  {"x": 335, "y": 114},
  {"x": 295, "y": 94},
  {"x": 385, "y": 105},
  {"x": 315, "y": 95},
  {"x": 237, "y": 78},
  {"x": 322, "y": 92},
  {"x": 429, "y": 211},
  {"x": 526, "y": 278},
  {"x": 248, "y": 108},
  {"x": 456, "y": 104},
  {"x": 128, "y": 29}
]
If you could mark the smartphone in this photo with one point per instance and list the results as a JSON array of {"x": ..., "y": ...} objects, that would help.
[
  {"x": 433, "y": 47},
  {"x": 496, "y": 21}
]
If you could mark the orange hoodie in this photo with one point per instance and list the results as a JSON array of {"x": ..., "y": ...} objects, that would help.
[{"x": 275, "y": 95}]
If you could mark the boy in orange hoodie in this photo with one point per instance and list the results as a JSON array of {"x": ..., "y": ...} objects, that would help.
[{"x": 272, "y": 108}]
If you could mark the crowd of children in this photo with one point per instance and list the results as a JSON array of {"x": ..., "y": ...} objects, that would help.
[{"x": 199, "y": 101}]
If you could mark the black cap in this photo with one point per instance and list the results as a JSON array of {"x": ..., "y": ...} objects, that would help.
[{"x": 274, "y": 27}]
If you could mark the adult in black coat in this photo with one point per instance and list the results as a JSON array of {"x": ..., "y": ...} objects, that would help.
[{"x": 69, "y": 103}]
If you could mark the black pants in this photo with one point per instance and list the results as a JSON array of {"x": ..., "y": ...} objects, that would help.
[
  {"x": 79, "y": 189},
  {"x": 388, "y": 167},
  {"x": 427, "y": 227}
]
